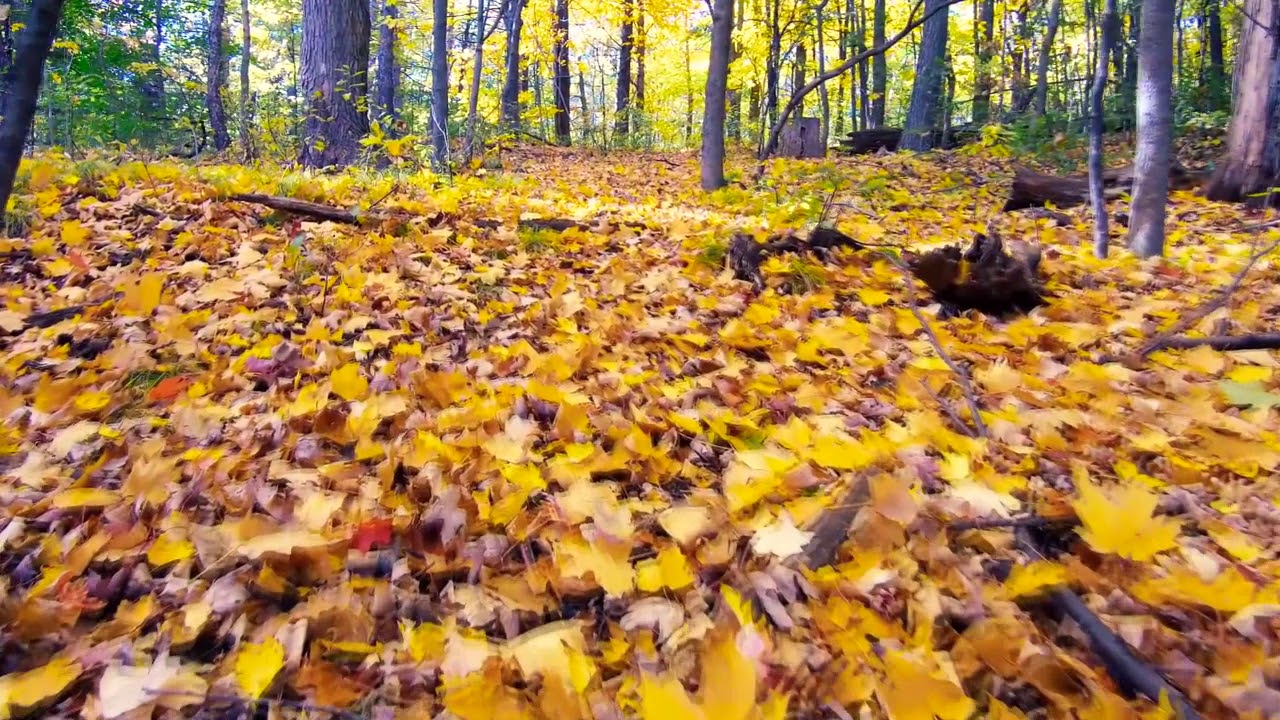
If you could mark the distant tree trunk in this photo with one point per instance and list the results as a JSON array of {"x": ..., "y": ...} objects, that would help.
[
  {"x": 1129, "y": 81},
  {"x": 153, "y": 86},
  {"x": 1021, "y": 94},
  {"x": 639, "y": 42},
  {"x": 216, "y": 75},
  {"x": 1216, "y": 70},
  {"x": 24, "y": 89},
  {"x": 1155, "y": 129},
  {"x": 1108, "y": 34},
  {"x": 797, "y": 73},
  {"x": 7, "y": 50},
  {"x": 561, "y": 82},
  {"x": 824, "y": 101},
  {"x": 773, "y": 66},
  {"x": 246, "y": 138},
  {"x": 582, "y": 104},
  {"x": 984, "y": 36},
  {"x": 688, "y": 83},
  {"x": 926, "y": 91},
  {"x": 735, "y": 89},
  {"x": 388, "y": 70},
  {"x": 879, "y": 70},
  {"x": 713, "y": 108},
  {"x": 513, "y": 24},
  {"x": 622, "y": 93},
  {"x": 845, "y": 32},
  {"x": 440, "y": 84},
  {"x": 1046, "y": 50},
  {"x": 335, "y": 69},
  {"x": 1251, "y": 166},
  {"x": 482, "y": 33},
  {"x": 864, "y": 94}
]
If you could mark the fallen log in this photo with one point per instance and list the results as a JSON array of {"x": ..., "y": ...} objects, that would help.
[
  {"x": 1226, "y": 343},
  {"x": 863, "y": 142},
  {"x": 985, "y": 277},
  {"x": 304, "y": 208},
  {"x": 1034, "y": 189},
  {"x": 744, "y": 255}
]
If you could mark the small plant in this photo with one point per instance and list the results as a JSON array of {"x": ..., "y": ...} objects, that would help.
[
  {"x": 804, "y": 276},
  {"x": 712, "y": 254},
  {"x": 539, "y": 241}
]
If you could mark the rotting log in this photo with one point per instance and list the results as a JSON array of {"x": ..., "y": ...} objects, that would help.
[
  {"x": 985, "y": 277},
  {"x": 863, "y": 142},
  {"x": 744, "y": 255},
  {"x": 1033, "y": 189}
]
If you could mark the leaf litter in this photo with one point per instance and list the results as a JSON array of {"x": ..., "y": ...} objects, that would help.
[{"x": 432, "y": 462}]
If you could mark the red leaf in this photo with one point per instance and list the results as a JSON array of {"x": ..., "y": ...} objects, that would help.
[
  {"x": 78, "y": 260},
  {"x": 166, "y": 390},
  {"x": 372, "y": 532}
]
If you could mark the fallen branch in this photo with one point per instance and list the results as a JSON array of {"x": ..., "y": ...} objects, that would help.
[
  {"x": 1023, "y": 521},
  {"x": 1226, "y": 343},
  {"x": 300, "y": 207},
  {"x": 1130, "y": 673},
  {"x": 832, "y": 527}
]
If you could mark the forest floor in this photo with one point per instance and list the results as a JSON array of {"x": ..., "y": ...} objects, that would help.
[{"x": 444, "y": 460}]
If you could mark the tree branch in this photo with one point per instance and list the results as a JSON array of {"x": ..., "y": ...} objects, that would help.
[{"x": 798, "y": 96}]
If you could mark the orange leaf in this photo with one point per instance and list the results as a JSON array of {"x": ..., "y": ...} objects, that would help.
[{"x": 166, "y": 390}]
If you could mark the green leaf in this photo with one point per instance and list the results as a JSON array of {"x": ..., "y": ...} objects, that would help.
[{"x": 1250, "y": 394}]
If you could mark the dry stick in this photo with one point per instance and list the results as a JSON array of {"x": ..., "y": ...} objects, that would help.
[
  {"x": 971, "y": 399},
  {"x": 798, "y": 96},
  {"x": 999, "y": 523},
  {"x": 1226, "y": 343},
  {"x": 1131, "y": 673},
  {"x": 269, "y": 702},
  {"x": 1204, "y": 310},
  {"x": 830, "y": 530}
]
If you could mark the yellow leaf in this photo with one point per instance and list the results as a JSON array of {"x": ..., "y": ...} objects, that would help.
[
  {"x": 424, "y": 641},
  {"x": 664, "y": 698},
  {"x": 608, "y": 562},
  {"x": 257, "y": 666},
  {"x": 780, "y": 538},
  {"x": 1228, "y": 592},
  {"x": 669, "y": 570},
  {"x": 999, "y": 377},
  {"x": 73, "y": 233},
  {"x": 22, "y": 693},
  {"x": 282, "y": 543},
  {"x": 93, "y": 401},
  {"x": 80, "y": 498},
  {"x": 839, "y": 453},
  {"x": 169, "y": 549},
  {"x": 911, "y": 692},
  {"x": 685, "y": 523},
  {"x": 348, "y": 383},
  {"x": 552, "y": 650},
  {"x": 58, "y": 267},
  {"x": 870, "y": 296},
  {"x": 1122, "y": 520},
  {"x": 955, "y": 467},
  {"x": 728, "y": 689},
  {"x": 1241, "y": 546},
  {"x": 143, "y": 295},
  {"x": 1032, "y": 578}
]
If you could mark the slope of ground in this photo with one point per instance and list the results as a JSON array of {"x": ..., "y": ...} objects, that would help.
[{"x": 441, "y": 460}]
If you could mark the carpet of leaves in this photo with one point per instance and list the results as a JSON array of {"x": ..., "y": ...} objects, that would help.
[{"x": 443, "y": 465}]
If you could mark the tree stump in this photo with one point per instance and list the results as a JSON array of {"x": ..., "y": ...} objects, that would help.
[{"x": 802, "y": 138}]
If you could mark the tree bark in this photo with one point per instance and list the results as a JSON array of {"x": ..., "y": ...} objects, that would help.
[
  {"x": 514, "y": 24},
  {"x": 24, "y": 89},
  {"x": 773, "y": 66},
  {"x": 153, "y": 87},
  {"x": 216, "y": 74},
  {"x": 1251, "y": 169},
  {"x": 879, "y": 70},
  {"x": 824, "y": 101},
  {"x": 1107, "y": 35},
  {"x": 561, "y": 82},
  {"x": 1046, "y": 50},
  {"x": 440, "y": 84},
  {"x": 984, "y": 36},
  {"x": 1155, "y": 129},
  {"x": 713, "y": 108},
  {"x": 246, "y": 137},
  {"x": 7, "y": 39},
  {"x": 923, "y": 113},
  {"x": 482, "y": 33},
  {"x": 335, "y": 70},
  {"x": 622, "y": 92},
  {"x": 388, "y": 90},
  {"x": 637, "y": 109},
  {"x": 797, "y": 72},
  {"x": 1217, "y": 74},
  {"x": 734, "y": 129}
]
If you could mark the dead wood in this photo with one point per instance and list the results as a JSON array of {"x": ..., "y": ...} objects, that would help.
[
  {"x": 1226, "y": 343},
  {"x": 863, "y": 142},
  {"x": 985, "y": 277},
  {"x": 1131, "y": 674},
  {"x": 1034, "y": 189},
  {"x": 744, "y": 255},
  {"x": 832, "y": 527},
  {"x": 312, "y": 210}
]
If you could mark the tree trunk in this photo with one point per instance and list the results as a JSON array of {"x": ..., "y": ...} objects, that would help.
[
  {"x": 1251, "y": 168},
  {"x": 514, "y": 24},
  {"x": 216, "y": 74},
  {"x": 845, "y": 32},
  {"x": 735, "y": 90},
  {"x": 824, "y": 101},
  {"x": 561, "y": 82},
  {"x": 923, "y": 113},
  {"x": 622, "y": 93},
  {"x": 1217, "y": 74},
  {"x": 24, "y": 89},
  {"x": 388, "y": 70},
  {"x": 773, "y": 66},
  {"x": 477, "y": 66},
  {"x": 637, "y": 109},
  {"x": 797, "y": 72},
  {"x": 984, "y": 36},
  {"x": 246, "y": 138},
  {"x": 153, "y": 86},
  {"x": 1109, "y": 31},
  {"x": 7, "y": 49},
  {"x": 713, "y": 108},
  {"x": 1155, "y": 129},
  {"x": 335, "y": 69},
  {"x": 863, "y": 118},
  {"x": 440, "y": 84},
  {"x": 1046, "y": 50},
  {"x": 879, "y": 70}
]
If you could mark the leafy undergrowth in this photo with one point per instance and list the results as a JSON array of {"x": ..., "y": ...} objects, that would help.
[{"x": 439, "y": 463}]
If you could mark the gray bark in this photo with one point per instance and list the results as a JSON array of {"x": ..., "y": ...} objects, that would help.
[
  {"x": 216, "y": 74},
  {"x": 622, "y": 92},
  {"x": 514, "y": 24},
  {"x": 440, "y": 83},
  {"x": 246, "y": 137},
  {"x": 1213, "y": 38},
  {"x": 824, "y": 101},
  {"x": 984, "y": 37},
  {"x": 24, "y": 89},
  {"x": 1110, "y": 29},
  {"x": 637, "y": 109},
  {"x": 1155, "y": 129},
  {"x": 561, "y": 81},
  {"x": 923, "y": 114},
  {"x": 1251, "y": 168},
  {"x": 335, "y": 70},
  {"x": 879, "y": 70},
  {"x": 388, "y": 85},
  {"x": 1046, "y": 51},
  {"x": 713, "y": 109}
]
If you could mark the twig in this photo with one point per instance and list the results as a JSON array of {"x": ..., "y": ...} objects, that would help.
[
  {"x": 394, "y": 186},
  {"x": 971, "y": 399},
  {"x": 1012, "y": 522},
  {"x": 832, "y": 527},
  {"x": 1226, "y": 343},
  {"x": 300, "y": 207},
  {"x": 1129, "y": 672},
  {"x": 269, "y": 702}
]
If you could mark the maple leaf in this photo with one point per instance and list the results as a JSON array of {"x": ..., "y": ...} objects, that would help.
[
  {"x": 257, "y": 665},
  {"x": 1122, "y": 520},
  {"x": 27, "y": 691}
]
